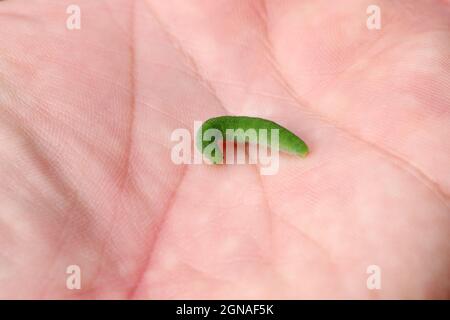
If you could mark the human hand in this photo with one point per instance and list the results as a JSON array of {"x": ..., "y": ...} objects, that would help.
[{"x": 86, "y": 175}]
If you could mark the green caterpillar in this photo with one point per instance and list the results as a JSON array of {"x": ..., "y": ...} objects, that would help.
[{"x": 288, "y": 142}]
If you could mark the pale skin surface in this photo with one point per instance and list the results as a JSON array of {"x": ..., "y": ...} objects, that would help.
[{"x": 86, "y": 177}]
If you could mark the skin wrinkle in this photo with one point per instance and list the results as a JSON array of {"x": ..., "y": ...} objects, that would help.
[
  {"x": 61, "y": 39},
  {"x": 246, "y": 90},
  {"x": 60, "y": 183},
  {"x": 206, "y": 274},
  {"x": 190, "y": 59},
  {"x": 419, "y": 175},
  {"x": 324, "y": 252},
  {"x": 74, "y": 203},
  {"x": 387, "y": 154},
  {"x": 271, "y": 215},
  {"x": 43, "y": 112},
  {"x": 43, "y": 164},
  {"x": 107, "y": 80},
  {"x": 202, "y": 273},
  {"x": 332, "y": 265},
  {"x": 192, "y": 72},
  {"x": 292, "y": 93},
  {"x": 262, "y": 16},
  {"x": 269, "y": 209},
  {"x": 151, "y": 251},
  {"x": 267, "y": 43},
  {"x": 127, "y": 163},
  {"x": 374, "y": 55},
  {"x": 126, "y": 180},
  {"x": 213, "y": 91},
  {"x": 176, "y": 44},
  {"x": 59, "y": 249},
  {"x": 124, "y": 169},
  {"x": 405, "y": 165}
]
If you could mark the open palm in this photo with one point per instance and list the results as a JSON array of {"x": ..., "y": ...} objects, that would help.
[{"x": 86, "y": 176}]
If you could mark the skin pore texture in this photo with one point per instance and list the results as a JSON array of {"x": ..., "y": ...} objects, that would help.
[
  {"x": 288, "y": 141},
  {"x": 86, "y": 176}
]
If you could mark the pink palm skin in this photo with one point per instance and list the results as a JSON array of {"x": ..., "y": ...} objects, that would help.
[{"x": 86, "y": 176}]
